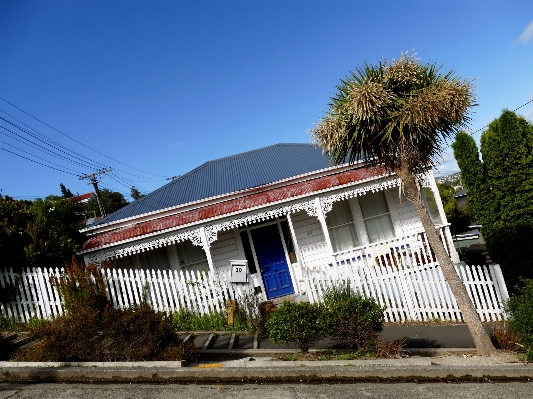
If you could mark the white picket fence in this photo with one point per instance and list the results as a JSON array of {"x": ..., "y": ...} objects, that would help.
[
  {"x": 416, "y": 292},
  {"x": 410, "y": 292},
  {"x": 164, "y": 290}
]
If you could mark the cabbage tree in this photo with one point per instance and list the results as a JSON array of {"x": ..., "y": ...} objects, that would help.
[{"x": 399, "y": 115}]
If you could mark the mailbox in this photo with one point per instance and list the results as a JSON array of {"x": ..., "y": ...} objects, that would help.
[{"x": 239, "y": 271}]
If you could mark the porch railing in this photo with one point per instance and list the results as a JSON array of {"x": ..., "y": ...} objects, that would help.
[
  {"x": 416, "y": 293},
  {"x": 407, "y": 251}
]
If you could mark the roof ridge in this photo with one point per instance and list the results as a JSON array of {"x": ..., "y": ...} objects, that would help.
[
  {"x": 229, "y": 157},
  {"x": 250, "y": 151}
]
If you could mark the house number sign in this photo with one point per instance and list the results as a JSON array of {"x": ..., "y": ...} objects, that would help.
[{"x": 239, "y": 271}]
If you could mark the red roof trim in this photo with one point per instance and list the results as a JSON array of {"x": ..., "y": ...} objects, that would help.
[
  {"x": 234, "y": 205},
  {"x": 81, "y": 197}
]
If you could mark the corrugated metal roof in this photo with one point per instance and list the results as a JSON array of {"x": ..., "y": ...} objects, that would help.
[
  {"x": 226, "y": 175},
  {"x": 285, "y": 192}
]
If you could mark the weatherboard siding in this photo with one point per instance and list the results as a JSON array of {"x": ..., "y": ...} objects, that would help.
[
  {"x": 405, "y": 218},
  {"x": 224, "y": 250},
  {"x": 310, "y": 239}
]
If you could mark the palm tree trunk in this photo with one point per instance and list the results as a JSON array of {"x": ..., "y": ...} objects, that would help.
[{"x": 479, "y": 334}]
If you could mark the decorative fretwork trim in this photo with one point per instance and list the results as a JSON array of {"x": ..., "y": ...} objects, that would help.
[
  {"x": 147, "y": 245},
  {"x": 327, "y": 201},
  {"x": 426, "y": 178},
  {"x": 211, "y": 230}
]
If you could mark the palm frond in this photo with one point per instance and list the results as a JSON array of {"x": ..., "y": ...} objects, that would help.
[{"x": 394, "y": 112}]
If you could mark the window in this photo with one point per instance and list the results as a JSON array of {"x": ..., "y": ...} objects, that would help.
[
  {"x": 341, "y": 227},
  {"x": 431, "y": 205},
  {"x": 189, "y": 254},
  {"x": 377, "y": 217},
  {"x": 156, "y": 259}
]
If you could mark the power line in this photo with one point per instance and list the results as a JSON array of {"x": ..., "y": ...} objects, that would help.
[
  {"x": 43, "y": 138},
  {"x": 86, "y": 146},
  {"x": 50, "y": 145},
  {"x": 33, "y": 155},
  {"x": 1, "y": 148},
  {"x": 111, "y": 188},
  {"x": 74, "y": 152},
  {"x": 472, "y": 133},
  {"x": 40, "y": 148}
]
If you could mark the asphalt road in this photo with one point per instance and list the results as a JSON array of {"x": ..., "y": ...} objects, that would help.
[{"x": 514, "y": 390}]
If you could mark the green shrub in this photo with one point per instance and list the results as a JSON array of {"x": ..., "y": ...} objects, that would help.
[
  {"x": 350, "y": 319},
  {"x": 14, "y": 324},
  {"x": 521, "y": 317},
  {"x": 91, "y": 330},
  {"x": 245, "y": 318},
  {"x": 296, "y": 322},
  {"x": 184, "y": 320}
]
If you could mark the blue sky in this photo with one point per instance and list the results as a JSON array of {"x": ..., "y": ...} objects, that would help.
[{"x": 159, "y": 87}]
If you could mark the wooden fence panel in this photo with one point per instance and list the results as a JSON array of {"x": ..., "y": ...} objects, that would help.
[{"x": 408, "y": 281}]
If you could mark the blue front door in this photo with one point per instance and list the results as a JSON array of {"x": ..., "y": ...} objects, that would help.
[{"x": 272, "y": 261}]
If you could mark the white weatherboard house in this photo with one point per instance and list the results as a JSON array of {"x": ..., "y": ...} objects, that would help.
[{"x": 283, "y": 208}]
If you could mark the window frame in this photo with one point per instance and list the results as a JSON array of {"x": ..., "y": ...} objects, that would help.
[
  {"x": 353, "y": 222},
  {"x": 178, "y": 259},
  {"x": 359, "y": 220}
]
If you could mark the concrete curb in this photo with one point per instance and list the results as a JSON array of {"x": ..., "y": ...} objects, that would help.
[
  {"x": 176, "y": 364},
  {"x": 226, "y": 354},
  {"x": 262, "y": 374},
  {"x": 250, "y": 371}
]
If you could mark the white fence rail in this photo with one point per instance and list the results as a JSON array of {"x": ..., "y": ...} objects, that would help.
[
  {"x": 411, "y": 291},
  {"x": 164, "y": 290},
  {"x": 416, "y": 292}
]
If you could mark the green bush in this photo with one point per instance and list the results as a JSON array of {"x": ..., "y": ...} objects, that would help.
[
  {"x": 245, "y": 318},
  {"x": 189, "y": 321},
  {"x": 350, "y": 319},
  {"x": 296, "y": 322},
  {"x": 521, "y": 317},
  {"x": 13, "y": 324}
]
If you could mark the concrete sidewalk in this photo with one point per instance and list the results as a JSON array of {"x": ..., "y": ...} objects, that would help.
[{"x": 415, "y": 336}]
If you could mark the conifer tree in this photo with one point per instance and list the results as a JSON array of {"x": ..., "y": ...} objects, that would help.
[{"x": 500, "y": 191}]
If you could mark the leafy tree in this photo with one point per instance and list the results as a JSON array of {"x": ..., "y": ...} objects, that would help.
[
  {"x": 135, "y": 194},
  {"x": 398, "y": 114},
  {"x": 43, "y": 233},
  {"x": 500, "y": 191},
  {"x": 111, "y": 201},
  {"x": 65, "y": 192},
  {"x": 456, "y": 215},
  {"x": 14, "y": 219},
  {"x": 55, "y": 232}
]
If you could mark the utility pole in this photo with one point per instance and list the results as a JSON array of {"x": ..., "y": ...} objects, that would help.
[{"x": 94, "y": 182}]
